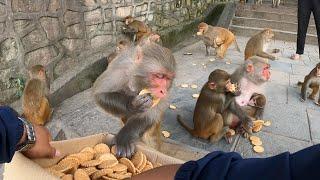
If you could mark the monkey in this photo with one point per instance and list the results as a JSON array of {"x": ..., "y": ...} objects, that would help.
[
  {"x": 121, "y": 46},
  {"x": 35, "y": 103},
  {"x": 216, "y": 37},
  {"x": 312, "y": 80},
  {"x": 276, "y": 3},
  {"x": 117, "y": 91},
  {"x": 249, "y": 77},
  {"x": 216, "y": 96},
  {"x": 258, "y": 1},
  {"x": 255, "y": 107},
  {"x": 136, "y": 28},
  {"x": 258, "y": 45}
]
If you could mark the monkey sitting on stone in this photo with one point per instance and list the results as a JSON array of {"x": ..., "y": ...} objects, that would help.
[
  {"x": 312, "y": 80},
  {"x": 216, "y": 37},
  {"x": 258, "y": 45},
  {"x": 135, "y": 28},
  {"x": 135, "y": 89},
  {"x": 35, "y": 104},
  {"x": 216, "y": 96}
]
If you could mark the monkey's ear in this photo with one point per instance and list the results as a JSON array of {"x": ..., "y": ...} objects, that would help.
[
  {"x": 250, "y": 68},
  {"x": 212, "y": 85},
  {"x": 139, "y": 55}
]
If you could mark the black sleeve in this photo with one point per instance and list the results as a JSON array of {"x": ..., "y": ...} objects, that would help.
[{"x": 11, "y": 131}]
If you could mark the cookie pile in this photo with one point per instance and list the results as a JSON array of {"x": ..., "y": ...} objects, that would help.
[
  {"x": 256, "y": 141},
  {"x": 100, "y": 162}
]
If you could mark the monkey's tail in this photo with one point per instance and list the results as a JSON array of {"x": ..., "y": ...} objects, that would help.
[
  {"x": 191, "y": 131},
  {"x": 299, "y": 83},
  {"x": 236, "y": 44}
]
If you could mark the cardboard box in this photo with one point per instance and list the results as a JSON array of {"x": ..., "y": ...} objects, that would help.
[{"x": 22, "y": 168}]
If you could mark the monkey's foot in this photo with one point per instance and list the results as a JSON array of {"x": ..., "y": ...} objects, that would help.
[
  {"x": 228, "y": 138},
  {"x": 317, "y": 103}
]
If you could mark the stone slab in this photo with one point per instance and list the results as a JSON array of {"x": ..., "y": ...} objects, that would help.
[
  {"x": 273, "y": 145},
  {"x": 301, "y": 70},
  {"x": 287, "y": 120},
  {"x": 275, "y": 93},
  {"x": 314, "y": 118}
]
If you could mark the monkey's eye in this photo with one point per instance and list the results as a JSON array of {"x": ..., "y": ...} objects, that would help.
[{"x": 159, "y": 76}]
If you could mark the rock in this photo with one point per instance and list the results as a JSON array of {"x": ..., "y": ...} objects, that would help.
[{"x": 51, "y": 26}]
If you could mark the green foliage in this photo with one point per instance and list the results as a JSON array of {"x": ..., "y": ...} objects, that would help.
[{"x": 18, "y": 83}]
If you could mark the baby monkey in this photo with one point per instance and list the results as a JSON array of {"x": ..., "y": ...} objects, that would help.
[{"x": 214, "y": 98}]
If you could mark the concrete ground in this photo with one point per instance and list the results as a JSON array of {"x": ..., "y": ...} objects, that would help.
[{"x": 295, "y": 125}]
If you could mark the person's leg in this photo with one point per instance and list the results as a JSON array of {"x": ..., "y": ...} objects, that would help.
[
  {"x": 316, "y": 15},
  {"x": 304, "y": 11}
]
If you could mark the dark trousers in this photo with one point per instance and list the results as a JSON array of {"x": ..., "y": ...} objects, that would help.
[{"x": 305, "y": 7}]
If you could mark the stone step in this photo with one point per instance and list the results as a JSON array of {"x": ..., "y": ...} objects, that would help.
[
  {"x": 277, "y": 25},
  {"x": 279, "y": 35},
  {"x": 276, "y": 16}
]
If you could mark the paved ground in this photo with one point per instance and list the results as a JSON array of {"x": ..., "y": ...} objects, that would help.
[{"x": 295, "y": 125}]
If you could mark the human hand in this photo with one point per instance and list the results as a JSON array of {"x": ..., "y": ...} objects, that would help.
[{"x": 42, "y": 148}]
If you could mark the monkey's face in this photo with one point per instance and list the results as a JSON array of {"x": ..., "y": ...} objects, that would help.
[
  {"x": 128, "y": 20},
  {"x": 318, "y": 70},
  {"x": 202, "y": 28},
  {"x": 268, "y": 33},
  {"x": 160, "y": 83}
]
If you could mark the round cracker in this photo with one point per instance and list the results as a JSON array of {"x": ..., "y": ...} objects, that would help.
[
  {"x": 146, "y": 168},
  {"x": 80, "y": 174},
  {"x": 232, "y": 132},
  {"x": 127, "y": 163},
  {"x": 267, "y": 123},
  {"x": 257, "y": 128},
  {"x": 256, "y": 143},
  {"x": 90, "y": 170},
  {"x": 101, "y": 148},
  {"x": 113, "y": 150},
  {"x": 173, "y": 107},
  {"x": 137, "y": 159},
  {"x": 67, "y": 177},
  {"x": 88, "y": 149},
  {"x": 108, "y": 178},
  {"x": 91, "y": 163},
  {"x": 119, "y": 176},
  {"x": 119, "y": 167},
  {"x": 184, "y": 85},
  {"x": 101, "y": 173},
  {"x": 194, "y": 86},
  {"x": 62, "y": 167},
  {"x": 108, "y": 164},
  {"x": 254, "y": 138},
  {"x": 258, "y": 149},
  {"x": 195, "y": 95},
  {"x": 166, "y": 134},
  {"x": 106, "y": 156},
  {"x": 144, "y": 162}
]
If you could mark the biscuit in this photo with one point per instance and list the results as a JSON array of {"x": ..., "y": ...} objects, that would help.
[
  {"x": 108, "y": 164},
  {"x": 119, "y": 168},
  {"x": 119, "y": 176},
  {"x": 106, "y": 156},
  {"x": 90, "y": 170},
  {"x": 62, "y": 167},
  {"x": 101, "y": 148},
  {"x": 91, "y": 163},
  {"x": 67, "y": 177},
  {"x": 55, "y": 173},
  {"x": 128, "y": 163},
  {"x": 108, "y": 178},
  {"x": 166, "y": 134},
  {"x": 256, "y": 143},
  {"x": 144, "y": 162},
  {"x": 257, "y": 128},
  {"x": 137, "y": 159},
  {"x": 101, "y": 173},
  {"x": 88, "y": 149},
  {"x": 80, "y": 174},
  {"x": 267, "y": 123},
  {"x": 147, "y": 167},
  {"x": 254, "y": 138},
  {"x": 113, "y": 150},
  {"x": 258, "y": 149}
]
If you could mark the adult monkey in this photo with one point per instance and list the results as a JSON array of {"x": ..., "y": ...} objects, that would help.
[
  {"x": 312, "y": 80},
  {"x": 146, "y": 66},
  {"x": 249, "y": 77}
]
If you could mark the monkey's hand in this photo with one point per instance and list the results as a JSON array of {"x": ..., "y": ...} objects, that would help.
[
  {"x": 124, "y": 148},
  {"x": 302, "y": 99},
  {"x": 142, "y": 102},
  {"x": 246, "y": 127}
]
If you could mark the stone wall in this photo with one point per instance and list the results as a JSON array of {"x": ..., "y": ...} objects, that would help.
[{"x": 55, "y": 33}]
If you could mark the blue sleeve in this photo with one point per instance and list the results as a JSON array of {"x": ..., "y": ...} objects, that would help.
[
  {"x": 11, "y": 131},
  {"x": 218, "y": 165}
]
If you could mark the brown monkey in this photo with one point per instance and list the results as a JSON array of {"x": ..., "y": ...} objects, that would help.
[
  {"x": 121, "y": 46},
  {"x": 255, "y": 107},
  {"x": 35, "y": 104},
  {"x": 216, "y": 37},
  {"x": 136, "y": 28},
  {"x": 216, "y": 96},
  {"x": 249, "y": 77},
  {"x": 312, "y": 80},
  {"x": 258, "y": 45},
  {"x": 148, "y": 67}
]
